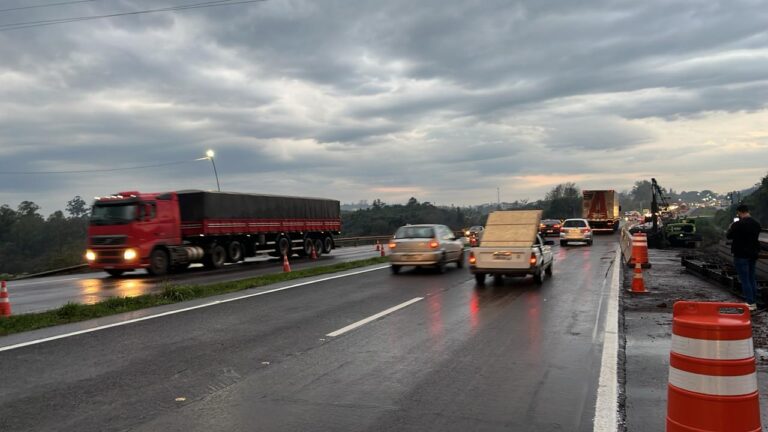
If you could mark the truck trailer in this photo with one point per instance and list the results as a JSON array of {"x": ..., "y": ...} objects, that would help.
[
  {"x": 601, "y": 209},
  {"x": 168, "y": 231}
]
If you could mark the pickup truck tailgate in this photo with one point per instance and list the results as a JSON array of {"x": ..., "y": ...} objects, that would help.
[{"x": 502, "y": 258}]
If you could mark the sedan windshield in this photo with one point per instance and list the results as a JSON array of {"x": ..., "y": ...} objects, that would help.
[
  {"x": 114, "y": 214},
  {"x": 414, "y": 232}
]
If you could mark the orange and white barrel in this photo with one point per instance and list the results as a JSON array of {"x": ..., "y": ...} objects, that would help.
[
  {"x": 712, "y": 374},
  {"x": 640, "y": 250}
]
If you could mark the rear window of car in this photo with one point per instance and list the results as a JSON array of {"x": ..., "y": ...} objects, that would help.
[
  {"x": 414, "y": 232},
  {"x": 550, "y": 222},
  {"x": 574, "y": 224}
]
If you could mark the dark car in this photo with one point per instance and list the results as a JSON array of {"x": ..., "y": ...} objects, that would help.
[
  {"x": 549, "y": 227},
  {"x": 474, "y": 234}
]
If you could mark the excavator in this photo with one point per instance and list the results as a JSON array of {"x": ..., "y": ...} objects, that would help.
[{"x": 675, "y": 231}]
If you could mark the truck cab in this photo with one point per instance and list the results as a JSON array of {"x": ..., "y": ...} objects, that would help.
[{"x": 126, "y": 229}]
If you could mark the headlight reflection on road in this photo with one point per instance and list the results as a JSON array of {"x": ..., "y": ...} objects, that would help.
[{"x": 96, "y": 290}]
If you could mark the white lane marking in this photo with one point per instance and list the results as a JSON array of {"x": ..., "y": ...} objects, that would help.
[
  {"x": 606, "y": 419},
  {"x": 374, "y": 317},
  {"x": 176, "y": 311}
]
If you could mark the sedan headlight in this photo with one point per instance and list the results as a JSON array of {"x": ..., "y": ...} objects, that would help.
[
  {"x": 90, "y": 255},
  {"x": 129, "y": 254}
]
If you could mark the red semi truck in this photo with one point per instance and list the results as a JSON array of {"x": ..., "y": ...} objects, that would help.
[
  {"x": 168, "y": 231},
  {"x": 601, "y": 209}
]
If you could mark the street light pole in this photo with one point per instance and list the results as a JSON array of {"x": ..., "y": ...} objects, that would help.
[{"x": 209, "y": 155}]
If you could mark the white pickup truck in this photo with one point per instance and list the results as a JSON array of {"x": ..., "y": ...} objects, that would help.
[{"x": 511, "y": 246}]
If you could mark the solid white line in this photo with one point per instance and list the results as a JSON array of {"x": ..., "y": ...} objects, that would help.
[
  {"x": 374, "y": 317},
  {"x": 606, "y": 419},
  {"x": 176, "y": 311}
]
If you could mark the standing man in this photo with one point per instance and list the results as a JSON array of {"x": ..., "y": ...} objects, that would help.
[{"x": 745, "y": 248}]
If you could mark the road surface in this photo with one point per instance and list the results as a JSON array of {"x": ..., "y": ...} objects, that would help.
[
  {"x": 368, "y": 351},
  {"x": 45, "y": 293}
]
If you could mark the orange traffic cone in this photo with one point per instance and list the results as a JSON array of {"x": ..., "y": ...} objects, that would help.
[
  {"x": 286, "y": 264},
  {"x": 383, "y": 253},
  {"x": 638, "y": 285},
  {"x": 378, "y": 246},
  {"x": 313, "y": 255},
  {"x": 5, "y": 302}
]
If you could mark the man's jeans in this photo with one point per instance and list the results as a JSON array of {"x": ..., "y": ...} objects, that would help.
[{"x": 745, "y": 268}]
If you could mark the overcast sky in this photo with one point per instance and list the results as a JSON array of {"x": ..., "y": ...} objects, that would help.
[{"x": 441, "y": 100}]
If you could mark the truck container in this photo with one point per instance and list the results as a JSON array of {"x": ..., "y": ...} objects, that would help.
[
  {"x": 601, "y": 209},
  {"x": 168, "y": 231}
]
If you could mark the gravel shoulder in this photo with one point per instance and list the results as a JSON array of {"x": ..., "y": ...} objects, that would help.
[{"x": 646, "y": 325}]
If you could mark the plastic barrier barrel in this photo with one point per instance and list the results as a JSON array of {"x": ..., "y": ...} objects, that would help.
[
  {"x": 640, "y": 250},
  {"x": 712, "y": 375}
]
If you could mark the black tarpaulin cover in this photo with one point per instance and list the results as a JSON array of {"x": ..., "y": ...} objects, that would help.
[{"x": 196, "y": 205}]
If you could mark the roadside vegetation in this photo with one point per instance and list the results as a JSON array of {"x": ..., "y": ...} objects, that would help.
[{"x": 172, "y": 293}]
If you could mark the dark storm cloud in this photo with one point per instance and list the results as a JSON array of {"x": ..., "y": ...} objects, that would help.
[{"x": 343, "y": 98}]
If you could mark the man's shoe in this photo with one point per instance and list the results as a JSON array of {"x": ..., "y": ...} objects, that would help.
[{"x": 752, "y": 306}]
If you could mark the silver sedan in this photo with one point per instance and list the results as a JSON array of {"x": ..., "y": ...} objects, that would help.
[{"x": 425, "y": 246}]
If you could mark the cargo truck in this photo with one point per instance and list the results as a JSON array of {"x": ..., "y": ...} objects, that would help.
[
  {"x": 511, "y": 246},
  {"x": 168, "y": 231},
  {"x": 601, "y": 209}
]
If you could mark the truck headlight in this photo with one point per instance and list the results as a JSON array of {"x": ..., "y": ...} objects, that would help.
[
  {"x": 129, "y": 254},
  {"x": 90, "y": 255}
]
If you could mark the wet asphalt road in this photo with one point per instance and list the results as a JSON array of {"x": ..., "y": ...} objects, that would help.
[
  {"x": 514, "y": 357},
  {"x": 40, "y": 294}
]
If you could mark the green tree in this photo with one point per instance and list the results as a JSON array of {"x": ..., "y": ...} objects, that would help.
[{"x": 77, "y": 207}]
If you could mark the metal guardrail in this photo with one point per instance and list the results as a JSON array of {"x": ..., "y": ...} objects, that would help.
[
  {"x": 359, "y": 241},
  {"x": 51, "y": 272}
]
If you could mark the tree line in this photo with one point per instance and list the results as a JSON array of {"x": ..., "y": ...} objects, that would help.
[{"x": 30, "y": 243}]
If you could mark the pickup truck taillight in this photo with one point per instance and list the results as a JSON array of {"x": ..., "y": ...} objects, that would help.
[
  {"x": 472, "y": 258},
  {"x": 434, "y": 244},
  {"x": 533, "y": 259}
]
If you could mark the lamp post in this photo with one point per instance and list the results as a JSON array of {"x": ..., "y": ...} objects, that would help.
[{"x": 209, "y": 155}]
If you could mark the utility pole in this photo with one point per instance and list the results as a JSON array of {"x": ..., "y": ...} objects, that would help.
[{"x": 498, "y": 198}]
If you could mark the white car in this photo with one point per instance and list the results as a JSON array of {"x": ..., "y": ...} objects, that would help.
[{"x": 575, "y": 230}]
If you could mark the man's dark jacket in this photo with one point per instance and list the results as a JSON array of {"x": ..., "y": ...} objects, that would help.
[{"x": 745, "y": 234}]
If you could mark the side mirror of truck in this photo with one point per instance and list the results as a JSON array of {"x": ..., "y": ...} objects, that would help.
[{"x": 549, "y": 242}]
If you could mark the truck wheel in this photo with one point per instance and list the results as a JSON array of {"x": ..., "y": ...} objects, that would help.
[
  {"x": 235, "y": 252},
  {"x": 306, "y": 249},
  {"x": 395, "y": 268},
  {"x": 115, "y": 272},
  {"x": 589, "y": 243},
  {"x": 318, "y": 247},
  {"x": 538, "y": 277},
  {"x": 158, "y": 263},
  {"x": 327, "y": 245},
  {"x": 498, "y": 279},
  {"x": 548, "y": 271},
  {"x": 283, "y": 246},
  {"x": 563, "y": 243},
  {"x": 215, "y": 258},
  {"x": 480, "y": 278},
  {"x": 460, "y": 261}
]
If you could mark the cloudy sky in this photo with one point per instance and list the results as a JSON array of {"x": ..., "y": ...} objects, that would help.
[{"x": 441, "y": 100}]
